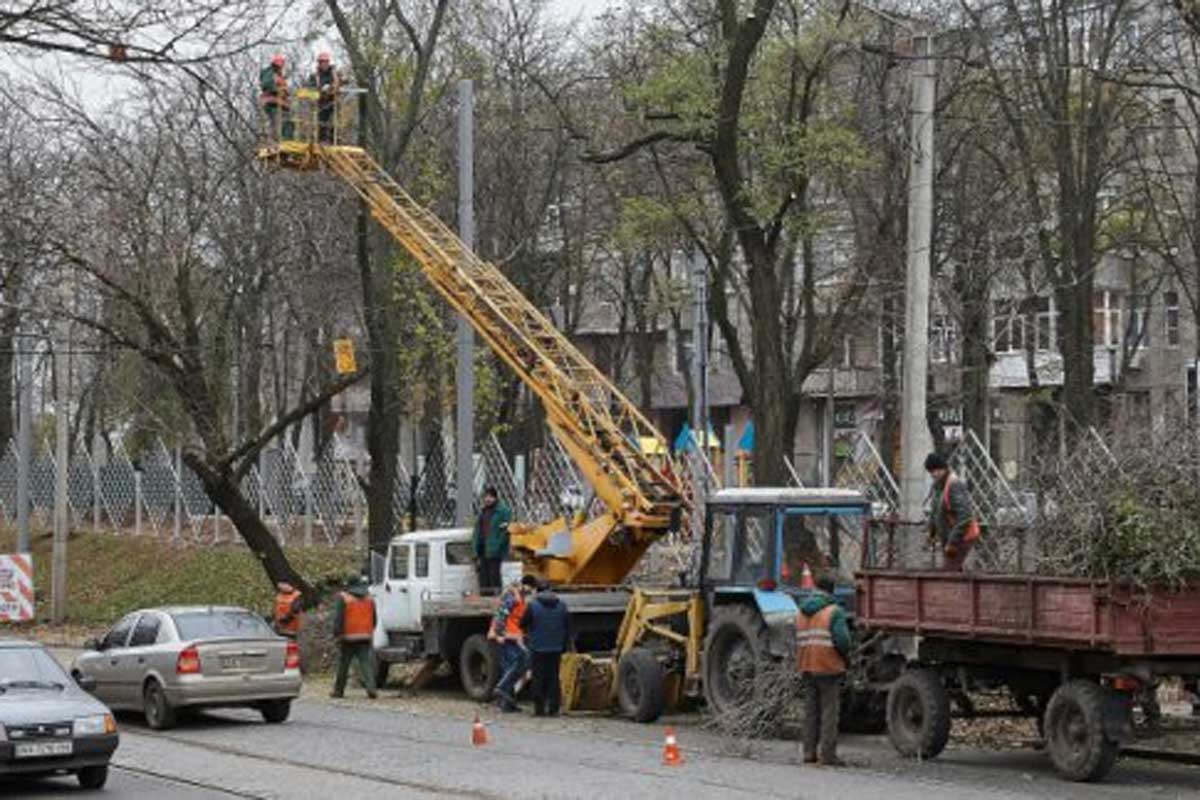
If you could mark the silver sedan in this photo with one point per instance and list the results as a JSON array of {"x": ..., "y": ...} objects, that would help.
[{"x": 161, "y": 660}]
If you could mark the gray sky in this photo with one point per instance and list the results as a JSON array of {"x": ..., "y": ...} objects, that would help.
[{"x": 588, "y": 8}]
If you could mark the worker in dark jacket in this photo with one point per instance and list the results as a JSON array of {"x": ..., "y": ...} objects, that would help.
[
  {"x": 353, "y": 627},
  {"x": 275, "y": 100},
  {"x": 547, "y": 626},
  {"x": 326, "y": 82},
  {"x": 822, "y": 647},
  {"x": 953, "y": 524},
  {"x": 491, "y": 540}
]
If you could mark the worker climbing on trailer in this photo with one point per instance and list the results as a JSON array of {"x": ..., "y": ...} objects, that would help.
[
  {"x": 822, "y": 647},
  {"x": 325, "y": 80},
  {"x": 953, "y": 525},
  {"x": 274, "y": 99}
]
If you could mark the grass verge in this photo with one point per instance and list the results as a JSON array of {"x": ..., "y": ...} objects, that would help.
[{"x": 109, "y": 575}]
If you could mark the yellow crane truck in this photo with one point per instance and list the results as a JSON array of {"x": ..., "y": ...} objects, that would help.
[{"x": 645, "y": 648}]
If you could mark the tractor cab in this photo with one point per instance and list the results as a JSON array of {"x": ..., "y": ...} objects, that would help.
[
  {"x": 776, "y": 540},
  {"x": 761, "y": 551}
]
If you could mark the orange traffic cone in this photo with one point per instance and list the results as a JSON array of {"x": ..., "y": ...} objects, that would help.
[
  {"x": 479, "y": 735},
  {"x": 671, "y": 755},
  {"x": 806, "y": 578}
]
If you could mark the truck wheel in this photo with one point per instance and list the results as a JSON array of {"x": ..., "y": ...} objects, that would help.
[
  {"x": 735, "y": 649},
  {"x": 640, "y": 685},
  {"x": 1075, "y": 732},
  {"x": 918, "y": 714},
  {"x": 478, "y": 667}
]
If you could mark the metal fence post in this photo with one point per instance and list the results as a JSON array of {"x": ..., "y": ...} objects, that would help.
[
  {"x": 359, "y": 539},
  {"x": 95, "y": 495},
  {"x": 137, "y": 502},
  {"x": 308, "y": 511},
  {"x": 178, "y": 530}
]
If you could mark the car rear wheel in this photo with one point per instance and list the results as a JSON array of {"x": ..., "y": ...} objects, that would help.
[
  {"x": 160, "y": 714},
  {"x": 275, "y": 712},
  {"x": 93, "y": 777}
]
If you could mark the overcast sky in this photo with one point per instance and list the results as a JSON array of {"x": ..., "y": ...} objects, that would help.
[{"x": 588, "y": 8}]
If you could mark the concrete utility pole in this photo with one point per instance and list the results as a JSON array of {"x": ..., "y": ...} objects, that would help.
[
  {"x": 24, "y": 439},
  {"x": 915, "y": 440},
  {"x": 58, "y": 569},
  {"x": 700, "y": 358},
  {"x": 465, "y": 373}
]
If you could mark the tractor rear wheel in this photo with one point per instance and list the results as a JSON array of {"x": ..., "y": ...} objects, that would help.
[{"x": 735, "y": 653}]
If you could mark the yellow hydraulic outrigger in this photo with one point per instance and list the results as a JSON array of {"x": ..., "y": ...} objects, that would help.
[{"x": 597, "y": 425}]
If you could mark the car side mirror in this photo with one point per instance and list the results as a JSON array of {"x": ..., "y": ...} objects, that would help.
[
  {"x": 86, "y": 682},
  {"x": 93, "y": 644}
]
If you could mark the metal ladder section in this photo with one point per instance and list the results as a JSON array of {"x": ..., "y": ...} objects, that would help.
[{"x": 597, "y": 425}]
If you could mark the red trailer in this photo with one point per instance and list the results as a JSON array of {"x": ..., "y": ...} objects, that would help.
[{"x": 1073, "y": 653}]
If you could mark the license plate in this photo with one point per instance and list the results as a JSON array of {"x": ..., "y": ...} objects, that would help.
[
  {"x": 42, "y": 749},
  {"x": 231, "y": 662}
]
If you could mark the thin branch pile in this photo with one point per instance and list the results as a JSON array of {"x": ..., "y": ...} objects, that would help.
[{"x": 1123, "y": 506}]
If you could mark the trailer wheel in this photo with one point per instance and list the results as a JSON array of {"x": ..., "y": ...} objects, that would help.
[
  {"x": 918, "y": 714},
  {"x": 734, "y": 652},
  {"x": 1075, "y": 732},
  {"x": 640, "y": 685},
  {"x": 478, "y": 667}
]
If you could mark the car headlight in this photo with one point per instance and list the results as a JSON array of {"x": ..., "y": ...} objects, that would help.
[{"x": 94, "y": 726}]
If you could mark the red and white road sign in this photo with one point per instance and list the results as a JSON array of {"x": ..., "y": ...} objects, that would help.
[{"x": 16, "y": 588}]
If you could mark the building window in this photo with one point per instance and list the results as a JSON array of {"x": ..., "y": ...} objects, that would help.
[
  {"x": 680, "y": 343},
  {"x": 943, "y": 336},
  {"x": 1171, "y": 318},
  {"x": 1166, "y": 125},
  {"x": 1106, "y": 319},
  {"x": 1046, "y": 324},
  {"x": 1008, "y": 327},
  {"x": 1138, "y": 333}
]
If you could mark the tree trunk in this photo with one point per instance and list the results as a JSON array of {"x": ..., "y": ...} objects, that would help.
[
  {"x": 223, "y": 490},
  {"x": 383, "y": 418},
  {"x": 976, "y": 351}
]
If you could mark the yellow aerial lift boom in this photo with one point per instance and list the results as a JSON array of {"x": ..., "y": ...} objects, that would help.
[{"x": 596, "y": 424}]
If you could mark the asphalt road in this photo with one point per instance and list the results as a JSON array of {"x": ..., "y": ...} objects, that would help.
[
  {"x": 390, "y": 750},
  {"x": 419, "y": 746}
]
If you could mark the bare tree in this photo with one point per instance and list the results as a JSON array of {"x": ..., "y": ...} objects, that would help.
[{"x": 151, "y": 272}]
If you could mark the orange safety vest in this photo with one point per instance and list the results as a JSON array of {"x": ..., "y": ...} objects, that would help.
[
  {"x": 358, "y": 624},
  {"x": 972, "y": 531},
  {"x": 283, "y": 607},
  {"x": 512, "y": 625},
  {"x": 815, "y": 652}
]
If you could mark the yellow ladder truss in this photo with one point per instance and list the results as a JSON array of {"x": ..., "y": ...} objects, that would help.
[{"x": 597, "y": 425}]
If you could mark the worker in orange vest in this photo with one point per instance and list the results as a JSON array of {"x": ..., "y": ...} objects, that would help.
[
  {"x": 287, "y": 610},
  {"x": 822, "y": 647},
  {"x": 953, "y": 524},
  {"x": 353, "y": 626},
  {"x": 507, "y": 632}
]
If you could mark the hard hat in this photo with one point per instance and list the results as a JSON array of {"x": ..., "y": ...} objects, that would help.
[
  {"x": 324, "y": 57},
  {"x": 277, "y": 60}
]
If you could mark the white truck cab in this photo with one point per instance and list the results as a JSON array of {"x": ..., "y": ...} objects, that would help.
[{"x": 424, "y": 567}]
